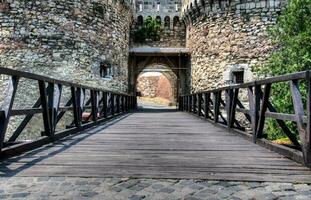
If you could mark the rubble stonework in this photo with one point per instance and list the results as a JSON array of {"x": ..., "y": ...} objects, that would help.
[
  {"x": 228, "y": 35},
  {"x": 155, "y": 86},
  {"x": 67, "y": 39}
]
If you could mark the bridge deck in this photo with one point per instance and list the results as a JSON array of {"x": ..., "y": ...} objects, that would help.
[{"x": 157, "y": 144}]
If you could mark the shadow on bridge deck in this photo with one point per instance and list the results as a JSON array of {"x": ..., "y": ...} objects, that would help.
[{"x": 157, "y": 142}]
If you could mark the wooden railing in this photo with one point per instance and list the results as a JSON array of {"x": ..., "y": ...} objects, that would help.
[
  {"x": 222, "y": 105},
  {"x": 102, "y": 105}
]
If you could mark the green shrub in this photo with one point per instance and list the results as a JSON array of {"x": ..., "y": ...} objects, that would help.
[
  {"x": 150, "y": 29},
  {"x": 292, "y": 36}
]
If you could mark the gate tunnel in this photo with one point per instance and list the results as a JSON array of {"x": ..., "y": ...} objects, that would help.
[{"x": 175, "y": 62}]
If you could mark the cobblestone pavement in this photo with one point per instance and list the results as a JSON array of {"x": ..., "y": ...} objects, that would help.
[{"x": 137, "y": 189}]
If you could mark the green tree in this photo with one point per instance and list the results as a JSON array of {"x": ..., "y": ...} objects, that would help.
[
  {"x": 150, "y": 29},
  {"x": 292, "y": 36}
]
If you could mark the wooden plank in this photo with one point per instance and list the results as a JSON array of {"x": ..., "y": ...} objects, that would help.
[{"x": 157, "y": 144}]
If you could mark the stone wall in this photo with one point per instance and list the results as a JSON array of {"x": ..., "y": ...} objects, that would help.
[
  {"x": 67, "y": 39},
  {"x": 155, "y": 86},
  {"x": 228, "y": 36}
]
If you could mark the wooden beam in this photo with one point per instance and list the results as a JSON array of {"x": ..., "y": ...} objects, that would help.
[
  {"x": 74, "y": 96},
  {"x": 207, "y": 97},
  {"x": 199, "y": 96},
  {"x": 263, "y": 109},
  {"x": 233, "y": 107},
  {"x": 307, "y": 145},
  {"x": 216, "y": 105},
  {"x": 94, "y": 103},
  {"x": 299, "y": 114},
  {"x": 254, "y": 104},
  {"x": 45, "y": 110},
  {"x": 6, "y": 107}
]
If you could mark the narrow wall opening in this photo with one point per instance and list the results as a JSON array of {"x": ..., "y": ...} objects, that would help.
[{"x": 156, "y": 86}]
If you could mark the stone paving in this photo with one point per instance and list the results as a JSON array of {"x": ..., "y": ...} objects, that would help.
[{"x": 137, "y": 189}]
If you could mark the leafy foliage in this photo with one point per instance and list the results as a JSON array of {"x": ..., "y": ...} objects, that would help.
[
  {"x": 292, "y": 36},
  {"x": 150, "y": 30}
]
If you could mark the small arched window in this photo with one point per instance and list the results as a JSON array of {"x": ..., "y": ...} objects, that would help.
[
  {"x": 140, "y": 20},
  {"x": 203, "y": 3},
  {"x": 158, "y": 19},
  {"x": 167, "y": 22},
  {"x": 176, "y": 22},
  {"x": 105, "y": 69}
]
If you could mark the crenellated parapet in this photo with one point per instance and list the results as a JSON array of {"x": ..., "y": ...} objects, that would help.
[{"x": 194, "y": 9}]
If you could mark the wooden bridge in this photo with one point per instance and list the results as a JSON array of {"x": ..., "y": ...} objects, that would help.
[{"x": 109, "y": 137}]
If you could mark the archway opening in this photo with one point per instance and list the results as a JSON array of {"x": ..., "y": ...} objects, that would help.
[{"x": 156, "y": 85}]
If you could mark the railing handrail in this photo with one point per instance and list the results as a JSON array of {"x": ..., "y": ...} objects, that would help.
[
  {"x": 276, "y": 79},
  {"x": 38, "y": 77}
]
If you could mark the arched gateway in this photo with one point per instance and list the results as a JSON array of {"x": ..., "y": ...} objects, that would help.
[{"x": 176, "y": 62}]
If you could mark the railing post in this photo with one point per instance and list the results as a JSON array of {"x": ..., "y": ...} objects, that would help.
[
  {"x": 126, "y": 104},
  {"x": 7, "y": 107},
  {"x": 199, "y": 103},
  {"x": 189, "y": 103},
  {"x": 134, "y": 102},
  {"x": 122, "y": 103},
  {"x": 53, "y": 104},
  {"x": 50, "y": 101},
  {"x": 118, "y": 103},
  {"x": 104, "y": 110},
  {"x": 263, "y": 109},
  {"x": 228, "y": 99},
  {"x": 216, "y": 104},
  {"x": 75, "y": 104},
  {"x": 94, "y": 104},
  {"x": 254, "y": 104},
  {"x": 193, "y": 103},
  {"x": 207, "y": 97},
  {"x": 130, "y": 103},
  {"x": 179, "y": 103},
  {"x": 307, "y": 146},
  {"x": 234, "y": 98},
  {"x": 45, "y": 109},
  {"x": 112, "y": 103}
]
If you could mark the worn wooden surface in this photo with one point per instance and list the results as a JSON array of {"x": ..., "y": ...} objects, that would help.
[{"x": 157, "y": 144}]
